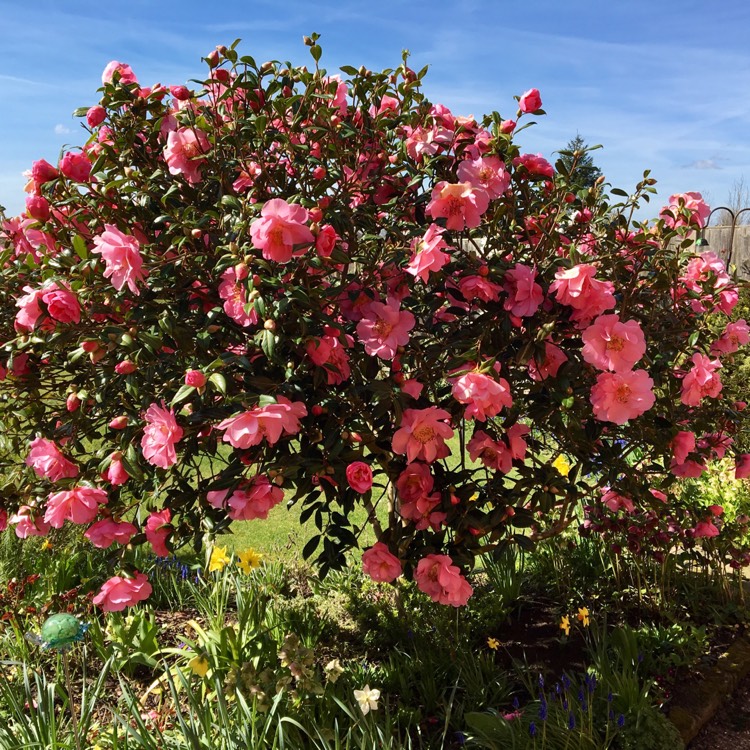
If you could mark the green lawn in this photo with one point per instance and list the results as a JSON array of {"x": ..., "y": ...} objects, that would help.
[{"x": 281, "y": 536}]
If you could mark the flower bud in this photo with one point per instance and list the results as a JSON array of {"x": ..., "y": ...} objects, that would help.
[
  {"x": 126, "y": 367},
  {"x": 96, "y": 116},
  {"x": 119, "y": 423},
  {"x": 37, "y": 207},
  {"x": 195, "y": 378}
]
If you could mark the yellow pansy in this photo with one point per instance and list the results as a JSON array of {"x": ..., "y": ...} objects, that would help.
[
  {"x": 219, "y": 559},
  {"x": 493, "y": 643},
  {"x": 562, "y": 465},
  {"x": 565, "y": 624},
  {"x": 199, "y": 665},
  {"x": 248, "y": 559},
  {"x": 583, "y": 616}
]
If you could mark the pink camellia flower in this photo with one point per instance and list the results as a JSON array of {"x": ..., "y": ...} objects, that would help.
[
  {"x": 421, "y": 142},
  {"x": 442, "y": 581},
  {"x": 158, "y": 528},
  {"x": 693, "y": 203},
  {"x": 79, "y": 505},
  {"x": 554, "y": 357},
  {"x": 734, "y": 336},
  {"x": 124, "y": 72},
  {"x": 494, "y": 454},
  {"x": 28, "y": 523},
  {"x": 515, "y": 437},
  {"x": 118, "y": 592},
  {"x": 48, "y": 462},
  {"x": 122, "y": 258},
  {"x": 702, "y": 381},
  {"x": 507, "y": 126},
  {"x": 235, "y": 297},
  {"x": 610, "y": 344},
  {"x": 116, "y": 473},
  {"x": 328, "y": 352},
  {"x": 742, "y": 466},
  {"x": 478, "y": 287},
  {"x": 486, "y": 173},
  {"x": 29, "y": 311},
  {"x": 535, "y": 165},
  {"x": 185, "y": 153},
  {"x": 412, "y": 387},
  {"x": 422, "y": 434},
  {"x": 326, "y": 240},
  {"x": 461, "y": 205},
  {"x": 76, "y": 167},
  {"x": 484, "y": 396},
  {"x": 530, "y": 101},
  {"x": 3, "y": 519},
  {"x": 279, "y": 228},
  {"x": 255, "y": 502},
  {"x": 682, "y": 445},
  {"x": 62, "y": 306},
  {"x": 620, "y": 396},
  {"x": 524, "y": 294},
  {"x": 384, "y": 327},
  {"x": 269, "y": 422},
  {"x": 414, "y": 482},
  {"x": 578, "y": 288},
  {"x": 42, "y": 172},
  {"x": 380, "y": 564},
  {"x": 359, "y": 476},
  {"x": 105, "y": 533},
  {"x": 417, "y": 501},
  {"x": 615, "y": 501},
  {"x": 95, "y": 116},
  {"x": 427, "y": 253},
  {"x": 72, "y": 402},
  {"x": 195, "y": 378},
  {"x": 160, "y": 436}
]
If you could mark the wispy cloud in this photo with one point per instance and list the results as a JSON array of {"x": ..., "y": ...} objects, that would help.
[
  {"x": 60, "y": 129},
  {"x": 703, "y": 164}
]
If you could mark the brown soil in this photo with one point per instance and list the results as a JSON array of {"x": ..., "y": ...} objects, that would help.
[{"x": 730, "y": 728}]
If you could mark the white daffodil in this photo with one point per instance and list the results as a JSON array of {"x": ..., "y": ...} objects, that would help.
[{"x": 367, "y": 699}]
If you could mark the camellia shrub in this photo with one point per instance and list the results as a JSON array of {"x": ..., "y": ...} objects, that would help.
[{"x": 282, "y": 284}]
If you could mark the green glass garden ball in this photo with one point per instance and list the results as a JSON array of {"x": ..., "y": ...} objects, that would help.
[{"x": 62, "y": 630}]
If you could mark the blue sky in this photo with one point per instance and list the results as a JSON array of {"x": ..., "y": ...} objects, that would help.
[{"x": 662, "y": 86}]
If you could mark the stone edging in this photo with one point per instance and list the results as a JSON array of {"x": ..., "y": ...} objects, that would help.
[{"x": 698, "y": 707}]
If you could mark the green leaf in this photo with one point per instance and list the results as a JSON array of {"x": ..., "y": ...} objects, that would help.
[
  {"x": 79, "y": 245},
  {"x": 182, "y": 394},
  {"x": 310, "y": 547},
  {"x": 219, "y": 382}
]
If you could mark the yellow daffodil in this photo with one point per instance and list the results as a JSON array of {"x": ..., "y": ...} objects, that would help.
[
  {"x": 219, "y": 559},
  {"x": 562, "y": 465},
  {"x": 46, "y": 544},
  {"x": 248, "y": 559},
  {"x": 199, "y": 665},
  {"x": 367, "y": 699},
  {"x": 493, "y": 643},
  {"x": 565, "y": 624},
  {"x": 583, "y": 616}
]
